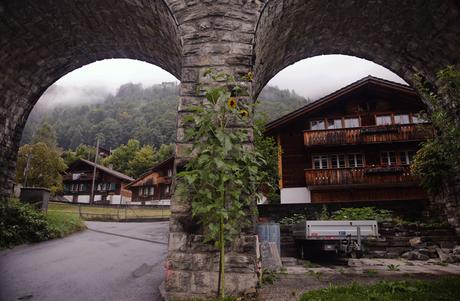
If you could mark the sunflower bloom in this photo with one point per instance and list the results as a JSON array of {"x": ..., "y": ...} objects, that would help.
[
  {"x": 244, "y": 113},
  {"x": 232, "y": 103}
]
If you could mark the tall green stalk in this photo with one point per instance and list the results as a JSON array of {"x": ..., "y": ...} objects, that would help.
[{"x": 222, "y": 178}]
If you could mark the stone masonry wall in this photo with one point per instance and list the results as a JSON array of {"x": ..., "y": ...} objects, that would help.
[{"x": 218, "y": 35}]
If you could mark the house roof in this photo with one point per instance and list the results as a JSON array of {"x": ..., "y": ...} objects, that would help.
[
  {"x": 108, "y": 170},
  {"x": 152, "y": 169},
  {"x": 269, "y": 127}
]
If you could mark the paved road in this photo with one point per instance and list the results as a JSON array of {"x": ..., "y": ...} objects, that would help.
[{"x": 110, "y": 261}]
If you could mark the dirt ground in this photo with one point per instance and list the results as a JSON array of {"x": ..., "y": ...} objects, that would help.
[{"x": 294, "y": 280}]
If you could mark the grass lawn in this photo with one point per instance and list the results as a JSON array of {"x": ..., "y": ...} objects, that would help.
[
  {"x": 63, "y": 224},
  {"x": 445, "y": 289},
  {"x": 95, "y": 212}
]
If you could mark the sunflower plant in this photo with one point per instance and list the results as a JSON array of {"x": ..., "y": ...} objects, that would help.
[{"x": 225, "y": 172}]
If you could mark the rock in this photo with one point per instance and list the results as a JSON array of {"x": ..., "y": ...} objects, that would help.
[
  {"x": 451, "y": 258},
  {"x": 289, "y": 261},
  {"x": 415, "y": 241},
  {"x": 425, "y": 252},
  {"x": 442, "y": 255},
  {"x": 414, "y": 255},
  {"x": 456, "y": 250}
]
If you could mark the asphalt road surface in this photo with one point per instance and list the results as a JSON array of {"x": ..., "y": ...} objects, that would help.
[{"x": 109, "y": 261}]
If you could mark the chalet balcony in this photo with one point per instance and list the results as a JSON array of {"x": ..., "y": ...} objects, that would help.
[
  {"x": 80, "y": 177},
  {"x": 368, "y": 135},
  {"x": 363, "y": 176}
]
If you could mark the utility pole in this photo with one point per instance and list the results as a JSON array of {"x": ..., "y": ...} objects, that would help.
[
  {"x": 26, "y": 170},
  {"x": 91, "y": 200}
]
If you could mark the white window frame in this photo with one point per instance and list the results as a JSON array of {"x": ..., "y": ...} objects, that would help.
[
  {"x": 334, "y": 125},
  {"x": 321, "y": 159},
  {"x": 353, "y": 157},
  {"x": 337, "y": 158},
  {"x": 350, "y": 118},
  {"x": 399, "y": 116},
  {"x": 317, "y": 121},
  {"x": 385, "y": 160},
  {"x": 384, "y": 115},
  {"x": 408, "y": 157}
]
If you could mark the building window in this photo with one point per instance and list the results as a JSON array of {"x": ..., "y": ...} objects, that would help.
[
  {"x": 167, "y": 189},
  {"x": 151, "y": 190},
  {"x": 169, "y": 172},
  {"x": 383, "y": 120},
  {"x": 317, "y": 125},
  {"x": 406, "y": 157},
  {"x": 334, "y": 123},
  {"x": 81, "y": 187},
  {"x": 388, "y": 158},
  {"x": 402, "y": 119},
  {"x": 337, "y": 161},
  {"x": 418, "y": 119},
  {"x": 352, "y": 122},
  {"x": 355, "y": 160},
  {"x": 320, "y": 162}
]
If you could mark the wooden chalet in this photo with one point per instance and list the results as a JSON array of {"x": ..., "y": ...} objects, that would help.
[
  {"x": 154, "y": 186},
  {"x": 355, "y": 144},
  {"x": 109, "y": 187}
]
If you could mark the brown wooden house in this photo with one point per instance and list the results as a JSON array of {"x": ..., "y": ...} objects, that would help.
[
  {"x": 109, "y": 187},
  {"x": 154, "y": 186},
  {"x": 355, "y": 144}
]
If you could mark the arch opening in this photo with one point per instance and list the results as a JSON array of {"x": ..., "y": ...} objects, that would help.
[{"x": 38, "y": 48}]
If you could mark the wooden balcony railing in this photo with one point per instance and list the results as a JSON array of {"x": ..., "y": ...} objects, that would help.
[
  {"x": 362, "y": 175},
  {"x": 82, "y": 177},
  {"x": 368, "y": 134}
]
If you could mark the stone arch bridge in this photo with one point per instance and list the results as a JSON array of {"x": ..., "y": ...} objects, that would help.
[{"x": 40, "y": 41}]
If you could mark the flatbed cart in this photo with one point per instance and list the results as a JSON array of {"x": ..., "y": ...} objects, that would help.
[{"x": 341, "y": 237}]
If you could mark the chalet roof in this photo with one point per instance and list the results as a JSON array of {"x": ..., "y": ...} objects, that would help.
[
  {"x": 110, "y": 171},
  {"x": 269, "y": 127},
  {"x": 152, "y": 169}
]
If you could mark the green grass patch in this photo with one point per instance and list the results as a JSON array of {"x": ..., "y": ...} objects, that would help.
[
  {"x": 108, "y": 213},
  {"x": 446, "y": 289},
  {"x": 63, "y": 224}
]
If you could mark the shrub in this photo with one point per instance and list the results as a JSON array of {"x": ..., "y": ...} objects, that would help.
[
  {"x": 364, "y": 213},
  {"x": 20, "y": 223}
]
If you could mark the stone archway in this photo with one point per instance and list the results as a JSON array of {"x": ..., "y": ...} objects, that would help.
[
  {"x": 43, "y": 40},
  {"x": 406, "y": 37},
  {"x": 40, "y": 42}
]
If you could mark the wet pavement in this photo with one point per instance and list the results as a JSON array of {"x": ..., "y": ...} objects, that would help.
[{"x": 109, "y": 261}]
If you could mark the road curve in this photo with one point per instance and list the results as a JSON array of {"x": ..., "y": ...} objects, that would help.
[{"x": 109, "y": 261}]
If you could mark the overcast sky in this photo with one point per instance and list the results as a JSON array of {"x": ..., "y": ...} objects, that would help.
[{"x": 311, "y": 78}]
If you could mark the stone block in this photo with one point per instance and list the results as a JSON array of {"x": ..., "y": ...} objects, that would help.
[
  {"x": 180, "y": 261},
  {"x": 178, "y": 281},
  {"x": 177, "y": 241}
]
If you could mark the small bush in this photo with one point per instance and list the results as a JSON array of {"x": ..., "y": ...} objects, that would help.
[
  {"x": 364, "y": 213},
  {"x": 20, "y": 223},
  {"x": 293, "y": 219}
]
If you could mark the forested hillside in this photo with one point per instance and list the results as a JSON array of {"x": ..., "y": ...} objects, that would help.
[{"x": 146, "y": 114}]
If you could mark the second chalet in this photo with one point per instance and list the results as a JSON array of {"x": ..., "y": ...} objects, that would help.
[
  {"x": 353, "y": 145},
  {"x": 109, "y": 184},
  {"x": 154, "y": 186}
]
